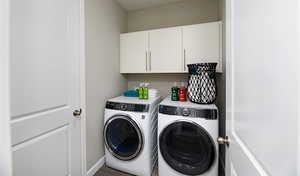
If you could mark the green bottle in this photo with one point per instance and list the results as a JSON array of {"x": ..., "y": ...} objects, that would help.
[
  {"x": 175, "y": 93},
  {"x": 140, "y": 90},
  {"x": 146, "y": 91}
]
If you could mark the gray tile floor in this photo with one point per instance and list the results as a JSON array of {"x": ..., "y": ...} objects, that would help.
[{"x": 106, "y": 171}]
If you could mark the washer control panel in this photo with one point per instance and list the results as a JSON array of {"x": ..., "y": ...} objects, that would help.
[
  {"x": 127, "y": 107},
  {"x": 189, "y": 112}
]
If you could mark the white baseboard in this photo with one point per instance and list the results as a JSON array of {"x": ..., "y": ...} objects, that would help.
[{"x": 92, "y": 171}]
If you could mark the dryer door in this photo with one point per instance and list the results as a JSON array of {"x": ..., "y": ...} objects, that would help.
[
  {"x": 123, "y": 138},
  {"x": 187, "y": 148}
]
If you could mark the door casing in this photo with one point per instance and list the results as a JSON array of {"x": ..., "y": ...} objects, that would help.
[
  {"x": 82, "y": 61},
  {"x": 5, "y": 135}
]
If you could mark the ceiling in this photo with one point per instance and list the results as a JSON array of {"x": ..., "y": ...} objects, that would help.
[{"x": 142, "y": 4}]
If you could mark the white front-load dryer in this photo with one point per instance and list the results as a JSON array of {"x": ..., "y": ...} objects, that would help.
[
  {"x": 187, "y": 139},
  {"x": 130, "y": 133}
]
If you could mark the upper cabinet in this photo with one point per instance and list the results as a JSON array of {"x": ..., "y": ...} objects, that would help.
[
  {"x": 169, "y": 50},
  {"x": 202, "y": 43},
  {"x": 165, "y": 49},
  {"x": 134, "y": 52}
]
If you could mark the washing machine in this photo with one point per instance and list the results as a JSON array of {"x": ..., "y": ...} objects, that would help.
[
  {"x": 187, "y": 139},
  {"x": 130, "y": 134}
]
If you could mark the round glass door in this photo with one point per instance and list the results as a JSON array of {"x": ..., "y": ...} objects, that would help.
[
  {"x": 123, "y": 137},
  {"x": 187, "y": 148}
]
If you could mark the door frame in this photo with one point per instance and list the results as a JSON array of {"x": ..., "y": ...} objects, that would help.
[
  {"x": 5, "y": 135},
  {"x": 298, "y": 154},
  {"x": 82, "y": 59},
  {"x": 229, "y": 93}
]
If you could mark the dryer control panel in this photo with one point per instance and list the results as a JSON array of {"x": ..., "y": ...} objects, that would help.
[
  {"x": 127, "y": 107},
  {"x": 189, "y": 112}
]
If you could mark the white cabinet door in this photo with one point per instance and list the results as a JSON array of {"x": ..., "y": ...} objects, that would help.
[
  {"x": 133, "y": 52},
  {"x": 202, "y": 43},
  {"x": 165, "y": 47},
  {"x": 44, "y": 87}
]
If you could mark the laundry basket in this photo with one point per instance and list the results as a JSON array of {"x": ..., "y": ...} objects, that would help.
[{"x": 202, "y": 87}]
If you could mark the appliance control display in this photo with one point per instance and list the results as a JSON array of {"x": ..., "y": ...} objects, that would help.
[
  {"x": 170, "y": 110},
  {"x": 127, "y": 107}
]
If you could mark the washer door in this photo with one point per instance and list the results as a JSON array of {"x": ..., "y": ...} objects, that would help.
[
  {"x": 187, "y": 148},
  {"x": 123, "y": 137}
]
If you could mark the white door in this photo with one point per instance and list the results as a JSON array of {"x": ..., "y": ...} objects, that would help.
[
  {"x": 134, "y": 52},
  {"x": 165, "y": 50},
  {"x": 263, "y": 87},
  {"x": 44, "y": 81},
  {"x": 202, "y": 43}
]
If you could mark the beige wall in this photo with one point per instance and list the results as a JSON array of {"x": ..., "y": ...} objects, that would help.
[
  {"x": 162, "y": 82},
  {"x": 105, "y": 20},
  {"x": 174, "y": 14}
]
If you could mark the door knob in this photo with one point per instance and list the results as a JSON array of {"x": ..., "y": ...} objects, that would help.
[
  {"x": 77, "y": 113},
  {"x": 222, "y": 140}
]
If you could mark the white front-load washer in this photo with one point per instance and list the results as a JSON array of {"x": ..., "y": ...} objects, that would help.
[
  {"x": 130, "y": 134},
  {"x": 187, "y": 139}
]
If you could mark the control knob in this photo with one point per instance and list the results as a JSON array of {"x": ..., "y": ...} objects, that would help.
[
  {"x": 124, "y": 107},
  {"x": 186, "y": 112}
]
